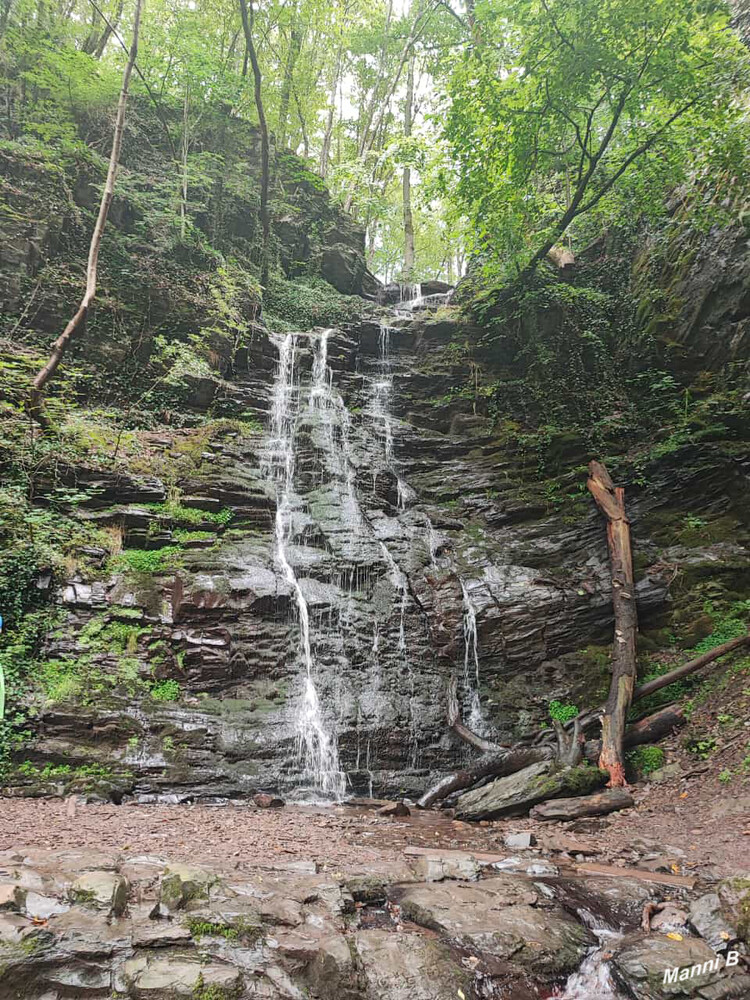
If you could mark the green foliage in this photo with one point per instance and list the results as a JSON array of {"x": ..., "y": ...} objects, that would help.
[
  {"x": 204, "y": 928},
  {"x": 149, "y": 562},
  {"x": 702, "y": 748},
  {"x": 556, "y": 125},
  {"x": 561, "y": 712},
  {"x": 175, "y": 511},
  {"x": 306, "y": 303},
  {"x": 645, "y": 759},
  {"x": 166, "y": 690}
]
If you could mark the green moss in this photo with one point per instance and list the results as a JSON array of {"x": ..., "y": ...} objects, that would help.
[{"x": 645, "y": 759}]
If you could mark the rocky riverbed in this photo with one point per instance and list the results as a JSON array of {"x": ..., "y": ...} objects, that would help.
[{"x": 219, "y": 903}]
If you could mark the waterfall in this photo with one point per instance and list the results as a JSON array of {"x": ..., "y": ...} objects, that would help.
[
  {"x": 473, "y": 709},
  {"x": 593, "y": 981},
  {"x": 381, "y": 410},
  {"x": 316, "y": 745}
]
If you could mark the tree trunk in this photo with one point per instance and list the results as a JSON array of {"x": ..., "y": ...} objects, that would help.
[
  {"x": 265, "y": 169},
  {"x": 109, "y": 28},
  {"x": 649, "y": 730},
  {"x": 611, "y": 502},
  {"x": 295, "y": 44},
  {"x": 462, "y": 731},
  {"x": 78, "y": 322},
  {"x": 184, "y": 160},
  {"x": 409, "y": 255},
  {"x": 325, "y": 152}
]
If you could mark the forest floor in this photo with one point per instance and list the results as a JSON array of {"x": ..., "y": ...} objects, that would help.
[{"x": 683, "y": 826}]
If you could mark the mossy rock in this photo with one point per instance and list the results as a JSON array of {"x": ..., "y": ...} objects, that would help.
[
  {"x": 516, "y": 793},
  {"x": 182, "y": 885}
]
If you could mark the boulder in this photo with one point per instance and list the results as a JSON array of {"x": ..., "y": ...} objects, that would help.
[
  {"x": 638, "y": 967},
  {"x": 394, "y": 809},
  {"x": 103, "y": 890},
  {"x": 708, "y": 918},
  {"x": 345, "y": 269},
  {"x": 265, "y": 801},
  {"x": 515, "y": 794},
  {"x": 598, "y": 804},
  {"x": 497, "y": 918},
  {"x": 183, "y": 884},
  {"x": 519, "y": 841},
  {"x": 409, "y": 967},
  {"x": 182, "y": 974}
]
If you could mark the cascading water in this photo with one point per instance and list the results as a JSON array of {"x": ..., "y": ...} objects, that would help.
[
  {"x": 317, "y": 747},
  {"x": 593, "y": 981},
  {"x": 473, "y": 708}
]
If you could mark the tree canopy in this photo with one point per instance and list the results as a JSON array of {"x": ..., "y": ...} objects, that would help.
[{"x": 499, "y": 126}]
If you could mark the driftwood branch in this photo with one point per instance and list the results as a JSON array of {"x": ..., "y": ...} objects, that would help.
[
  {"x": 610, "y": 500},
  {"x": 78, "y": 322}
]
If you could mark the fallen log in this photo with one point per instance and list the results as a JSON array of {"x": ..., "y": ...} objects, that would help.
[
  {"x": 690, "y": 667},
  {"x": 598, "y": 804},
  {"x": 495, "y": 765},
  {"x": 610, "y": 500},
  {"x": 651, "y": 729}
]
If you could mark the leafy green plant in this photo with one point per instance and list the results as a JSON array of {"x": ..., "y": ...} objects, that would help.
[
  {"x": 645, "y": 759},
  {"x": 725, "y": 776},
  {"x": 561, "y": 712},
  {"x": 702, "y": 748},
  {"x": 166, "y": 690}
]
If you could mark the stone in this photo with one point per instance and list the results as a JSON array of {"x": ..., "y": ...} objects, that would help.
[
  {"x": 161, "y": 934},
  {"x": 517, "y": 793},
  {"x": 614, "y": 902},
  {"x": 497, "y": 918},
  {"x": 409, "y": 967},
  {"x": 181, "y": 974},
  {"x": 707, "y": 918},
  {"x": 12, "y": 897},
  {"x": 104, "y": 890},
  {"x": 669, "y": 917},
  {"x": 598, "y": 804},
  {"x": 639, "y": 964},
  {"x": 437, "y": 869},
  {"x": 43, "y": 907},
  {"x": 394, "y": 809},
  {"x": 519, "y": 841},
  {"x": 264, "y": 800},
  {"x": 665, "y": 773},
  {"x": 183, "y": 884}
]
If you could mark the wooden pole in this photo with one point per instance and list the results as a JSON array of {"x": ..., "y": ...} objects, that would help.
[{"x": 610, "y": 500}]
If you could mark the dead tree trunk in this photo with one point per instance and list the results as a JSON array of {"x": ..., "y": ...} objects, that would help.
[
  {"x": 611, "y": 502},
  {"x": 265, "y": 169},
  {"x": 78, "y": 322}
]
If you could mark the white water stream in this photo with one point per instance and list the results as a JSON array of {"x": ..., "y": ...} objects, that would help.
[{"x": 316, "y": 743}]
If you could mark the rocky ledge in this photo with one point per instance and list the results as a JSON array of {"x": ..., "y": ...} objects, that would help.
[{"x": 95, "y": 924}]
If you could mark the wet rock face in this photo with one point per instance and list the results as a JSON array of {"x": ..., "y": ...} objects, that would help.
[{"x": 418, "y": 550}]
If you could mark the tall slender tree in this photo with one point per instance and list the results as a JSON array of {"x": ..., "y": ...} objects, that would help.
[{"x": 78, "y": 322}]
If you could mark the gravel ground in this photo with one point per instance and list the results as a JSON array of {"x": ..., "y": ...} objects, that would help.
[{"x": 687, "y": 822}]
